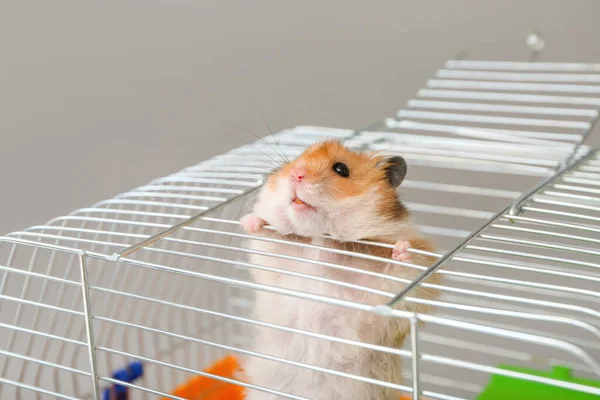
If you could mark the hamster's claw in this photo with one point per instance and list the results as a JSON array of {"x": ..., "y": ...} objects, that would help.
[
  {"x": 252, "y": 223},
  {"x": 400, "y": 252}
]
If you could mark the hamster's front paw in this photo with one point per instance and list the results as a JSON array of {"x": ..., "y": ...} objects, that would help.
[
  {"x": 400, "y": 252},
  {"x": 252, "y": 223}
]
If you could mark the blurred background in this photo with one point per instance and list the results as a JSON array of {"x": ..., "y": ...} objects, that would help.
[{"x": 99, "y": 97}]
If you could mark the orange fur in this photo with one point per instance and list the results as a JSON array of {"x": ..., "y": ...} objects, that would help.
[{"x": 319, "y": 158}]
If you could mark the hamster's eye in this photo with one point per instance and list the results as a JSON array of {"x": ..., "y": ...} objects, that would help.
[{"x": 341, "y": 169}]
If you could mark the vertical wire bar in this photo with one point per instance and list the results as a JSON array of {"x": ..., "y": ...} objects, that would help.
[
  {"x": 414, "y": 342},
  {"x": 89, "y": 329}
]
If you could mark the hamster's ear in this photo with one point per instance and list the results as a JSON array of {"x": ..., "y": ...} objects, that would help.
[{"x": 395, "y": 170}]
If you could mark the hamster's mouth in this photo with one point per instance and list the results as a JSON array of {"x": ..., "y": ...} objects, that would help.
[{"x": 299, "y": 205}]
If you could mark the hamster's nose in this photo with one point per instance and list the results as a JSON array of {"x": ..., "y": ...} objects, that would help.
[{"x": 298, "y": 174}]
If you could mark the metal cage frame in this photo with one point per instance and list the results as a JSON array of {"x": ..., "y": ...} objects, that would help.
[{"x": 526, "y": 121}]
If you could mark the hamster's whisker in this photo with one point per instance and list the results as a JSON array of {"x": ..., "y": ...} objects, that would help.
[
  {"x": 271, "y": 132},
  {"x": 336, "y": 188},
  {"x": 252, "y": 133},
  {"x": 277, "y": 163}
]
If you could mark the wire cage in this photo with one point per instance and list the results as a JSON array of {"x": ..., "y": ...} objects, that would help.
[{"x": 142, "y": 292}]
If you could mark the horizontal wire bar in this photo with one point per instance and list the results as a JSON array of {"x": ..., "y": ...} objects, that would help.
[
  {"x": 223, "y": 175},
  {"x": 477, "y": 233},
  {"x": 456, "y": 258},
  {"x": 474, "y": 347},
  {"x": 132, "y": 212},
  {"x": 464, "y": 275},
  {"x": 102, "y": 220},
  {"x": 196, "y": 372},
  {"x": 582, "y": 174},
  {"x": 232, "y": 262},
  {"x": 165, "y": 251},
  {"x": 509, "y": 86},
  {"x": 278, "y": 270},
  {"x": 582, "y": 344},
  {"x": 589, "y": 316},
  {"x": 162, "y": 195},
  {"x": 384, "y": 349},
  {"x": 48, "y": 246},
  {"x": 466, "y": 155},
  {"x": 515, "y": 314},
  {"x": 480, "y": 132},
  {"x": 588, "y": 198},
  {"x": 445, "y": 210},
  {"x": 436, "y": 395},
  {"x": 227, "y": 168},
  {"x": 439, "y": 304},
  {"x": 525, "y": 337},
  {"x": 43, "y": 334},
  {"x": 69, "y": 238},
  {"x": 36, "y": 389},
  {"x": 38, "y": 275},
  {"x": 450, "y": 383},
  {"x": 561, "y": 213},
  {"x": 522, "y": 66},
  {"x": 263, "y": 356},
  {"x": 408, "y": 143},
  {"x": 472, "y": 190},
  {"x": 581, "y": 181},
  {"x": 508, "y": 97},
  {"x": 576, "y": 188},
  {"x": 409, "y": 299},
  {"x": 517, "y": 76},
  {"x": 537, "y": 285},
  {"x": 513, "y": 299},
  {"x": 228, "y": 182},
  {"x": 249, "y": 285},
  {"x": 439, "y": 396},
  {"x": 140, "y": 388},
  {"x": 439, "y": 231},
  {"x": 174, "y": 228},
  {"x": 44, "y": 363},
  {"x": 37, "y": 304},
  {"x": 535, "y": 243},
  {"x": 552, "y": 223},
  {"x": 147, "y": 203},
  {"x": 502, "y": 108},
  {"x": 541, "y": 200},
  {"x": 177, "y": 188},
  {"x": 586, "y": 168},
  {"x": 295, "y": 258},
  {"x": 519, "y": 375},
  {"x": 541, "y": 257},
  {"x": 181, "y": 178},
  {"x": 525, "y": 290},
  {"x": 448, "y": 162},
  {"x": 489, "y": 119},
  {"x": 546, "y": 233}
]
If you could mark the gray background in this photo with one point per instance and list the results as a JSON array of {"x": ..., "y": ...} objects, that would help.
[{"x": 97, "y": 97}]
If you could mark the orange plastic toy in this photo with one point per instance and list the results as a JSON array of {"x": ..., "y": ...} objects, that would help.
[{"x": 203, "y": 388}]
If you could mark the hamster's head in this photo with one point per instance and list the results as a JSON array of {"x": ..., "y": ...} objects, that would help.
[{"x": 330, "y": 189}]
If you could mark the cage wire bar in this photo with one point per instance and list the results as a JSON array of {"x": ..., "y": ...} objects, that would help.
[{"x": 499, "y": 176}]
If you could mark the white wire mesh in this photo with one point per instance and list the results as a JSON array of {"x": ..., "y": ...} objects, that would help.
[{"x": 167, "y": 263}]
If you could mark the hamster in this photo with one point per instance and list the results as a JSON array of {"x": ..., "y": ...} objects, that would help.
[{"x": 344, "y": 195}]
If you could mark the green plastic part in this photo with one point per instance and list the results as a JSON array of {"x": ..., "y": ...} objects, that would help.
[{"x": 508, "y": 388}]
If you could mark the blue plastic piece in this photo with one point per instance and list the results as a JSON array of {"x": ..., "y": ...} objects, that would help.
[{"x": 129, "y": 374}]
